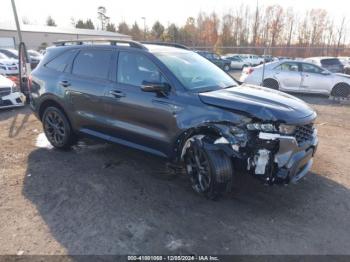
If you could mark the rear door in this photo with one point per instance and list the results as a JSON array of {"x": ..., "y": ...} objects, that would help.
[
  {"x": 288, "y": 76},
  {"x": 86, "y": 86},
  {"x": 313, "y": 81}
]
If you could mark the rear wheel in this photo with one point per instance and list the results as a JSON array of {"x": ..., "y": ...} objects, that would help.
[
  {"x": 226, "y": 68},
  {"x": 210, "y": 171},
  {"x": 57, "y": 128},
  {"x": 341, "y": 90},
  {"x": 271, "y": 83}
]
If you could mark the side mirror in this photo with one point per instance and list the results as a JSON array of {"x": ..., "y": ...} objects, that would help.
[
  {"x": 156, "y": 87},
  {"x": 325, "y": 73}
]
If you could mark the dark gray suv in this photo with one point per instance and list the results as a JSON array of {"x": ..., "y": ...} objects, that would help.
[{"x": 172, "y": 102}]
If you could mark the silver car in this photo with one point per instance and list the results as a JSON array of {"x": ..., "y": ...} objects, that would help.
[{"x": 298, "y": 76}]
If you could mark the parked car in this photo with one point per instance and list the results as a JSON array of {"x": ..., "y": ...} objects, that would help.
[
  {"x": 330, "y": 63},
  {"x": 298, "y": 76},
  {"x": 236, "y": 62},
  {"x": 13, "y": 53},
  {"x": 216, "y": 59},
  {"x": 10, "y": 95},
  {"x": 252, "y": 59},
  {"x": 8, "y": 66},
  {"x": 205, "y": 122},
  {"x": 35, "y": 58}
]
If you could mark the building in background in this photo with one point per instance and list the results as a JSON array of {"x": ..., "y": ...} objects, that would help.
[{"x": 39, "y": 37}]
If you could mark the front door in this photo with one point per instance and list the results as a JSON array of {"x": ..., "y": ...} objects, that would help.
[
  {"x": 313, "y": 79},
  {"x": 145, "y": 120}
]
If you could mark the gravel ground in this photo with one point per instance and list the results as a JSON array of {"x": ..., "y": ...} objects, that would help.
[{"x": 107, "y": 199}]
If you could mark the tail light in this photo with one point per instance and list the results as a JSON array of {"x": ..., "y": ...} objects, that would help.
[{"x": 248, "y": 70}]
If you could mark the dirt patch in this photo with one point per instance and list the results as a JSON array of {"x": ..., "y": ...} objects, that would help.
[{"x": 107, "y": 199}]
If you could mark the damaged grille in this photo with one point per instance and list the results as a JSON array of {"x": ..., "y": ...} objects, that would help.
[
  {"x": 304, "y": 133},
  {"x": 5, "y": 91}
]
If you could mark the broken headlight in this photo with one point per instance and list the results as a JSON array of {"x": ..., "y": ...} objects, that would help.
[
  {"x": 261, "y": 127},
  {"x": 286, "y": 129}
]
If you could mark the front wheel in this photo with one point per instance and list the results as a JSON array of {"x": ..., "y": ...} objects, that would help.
[
  {"x": 57, "y": 128},
  {"x": 226, "y": 68},
  {"x": 210, "y": 171}
]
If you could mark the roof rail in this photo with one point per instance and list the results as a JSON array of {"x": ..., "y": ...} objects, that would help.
[
  {"x": 92, "y": 40},
  {"x": 165, "y": 44}
]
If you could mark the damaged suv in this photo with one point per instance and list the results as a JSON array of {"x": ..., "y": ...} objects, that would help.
[{"x": 173, "y": 103}]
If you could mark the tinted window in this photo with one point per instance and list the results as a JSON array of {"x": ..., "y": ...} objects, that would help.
[
  {"x": 93, "y": 63},
  {"x": 289, "y": 67},
  {"x": 135, "y": 68},
  {"x": 331, "y": 61},
  {"x": 308, "y": 68},
  {"x": 61, "y": 61}
]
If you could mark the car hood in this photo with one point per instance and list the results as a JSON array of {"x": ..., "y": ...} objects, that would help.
[
  {"x": 260, "y": 102},
  {"x": 343, "y": 76}
]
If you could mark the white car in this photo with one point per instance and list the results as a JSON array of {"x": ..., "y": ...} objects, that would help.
[
  {"x": 8, "y": 66},
  {"x": 298, "y": 76},
  {"x": 252, "y": 59},
  {"x": 236, "y": 61},
  {"x": 10, "y": 95}
]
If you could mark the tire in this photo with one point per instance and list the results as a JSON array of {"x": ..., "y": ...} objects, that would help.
[
  {"x": 271, "y": 83},
  {"x": 210, "y": 171},
  {"x": 341, "y": 90},
  {"x": 226, "y": 68},
  {"x": 57, "y": 128}
]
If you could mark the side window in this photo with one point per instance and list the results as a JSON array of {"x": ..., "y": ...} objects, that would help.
[
  {"x": 308, "y": 68},
  {"x": 93, "y": 63},
  {"x": 135, "y": 68},
  {"x": 60, "y": 62},
  {"x": 291, "y": 67},
  {"x": 216, "y": 56}
]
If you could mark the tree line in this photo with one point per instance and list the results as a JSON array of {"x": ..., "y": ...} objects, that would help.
[{"x": 282, "y": 30}]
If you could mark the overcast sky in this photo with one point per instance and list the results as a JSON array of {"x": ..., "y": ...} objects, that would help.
[{"x": 166, "y": 11}]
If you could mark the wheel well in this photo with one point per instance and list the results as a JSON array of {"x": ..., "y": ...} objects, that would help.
[
  {"x": 182, "y": 139},
  {"x": 271, "y": 79},
  {"x": 338, "y": 84},
  {"x": 48, "y": 103}
]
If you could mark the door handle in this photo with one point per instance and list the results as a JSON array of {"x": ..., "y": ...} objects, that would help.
[
  {"x": 116, "y": 93},
  {"x": 64, "y": 83}
]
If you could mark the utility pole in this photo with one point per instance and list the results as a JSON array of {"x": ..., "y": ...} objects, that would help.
[
  {"x": 16, "y": 19},
  {"x": 144, "y": 27}
]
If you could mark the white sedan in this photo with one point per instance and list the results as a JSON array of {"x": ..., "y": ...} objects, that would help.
[
  {"x": 10, "y": 95},
  {"x": 8, "y": 66},
  {"x": 298, "y": 76}
]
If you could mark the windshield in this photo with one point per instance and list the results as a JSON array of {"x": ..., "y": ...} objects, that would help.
[{"x": 195, "y": 72}]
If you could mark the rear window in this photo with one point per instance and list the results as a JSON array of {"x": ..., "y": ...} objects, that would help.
[
  {"x": 93, "y": 63},
  {"x": 60, "y": 62},
  {"x": 331, "y": 61}
]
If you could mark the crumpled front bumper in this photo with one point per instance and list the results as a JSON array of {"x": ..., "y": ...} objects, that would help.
[{"x": 293, "y": 160}]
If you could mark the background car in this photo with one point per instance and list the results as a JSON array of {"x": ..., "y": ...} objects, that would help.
[
  {"x": 252, "y": 59},
  {"x": 332, "y": 64},
  {"x": 236, "y": 62},
  {"x": 10, "y": 95},
  {"x": 298, "y": 76},
  {"x": 35, "y": 58},
  {"x": 224, "y": 64},
  {"x": 8, "y": 66}
]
